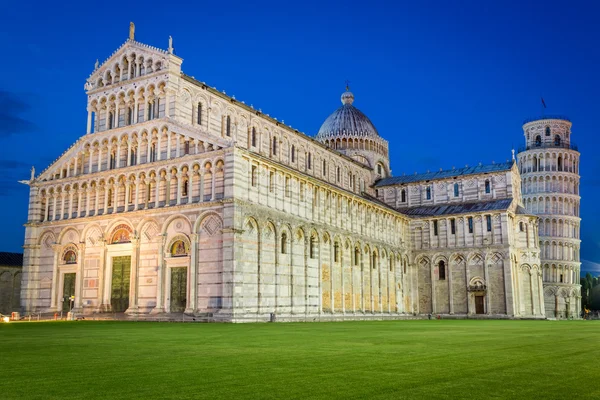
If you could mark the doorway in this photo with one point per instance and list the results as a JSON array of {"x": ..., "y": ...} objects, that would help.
[
  {"x": 178, "y": 289},
  {"x": 119, "y": 298},
  {"x": 68, "y": 291},
  {"x": 479, "y": 305}
]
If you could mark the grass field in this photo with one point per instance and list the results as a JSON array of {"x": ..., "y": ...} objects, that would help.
[{"x": 346, "y": 360}]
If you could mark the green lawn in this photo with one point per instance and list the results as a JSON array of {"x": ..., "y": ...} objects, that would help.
[{"x": 346, "y": 360}]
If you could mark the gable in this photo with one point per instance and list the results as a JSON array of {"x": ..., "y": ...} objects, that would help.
[{"x": 120, "y": 65}]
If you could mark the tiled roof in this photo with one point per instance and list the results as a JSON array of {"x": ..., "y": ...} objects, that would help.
[
  {"x": 430, "y": 176},
  {"x": 462, "y": 208},
  {"x": 11, "y": 259}
]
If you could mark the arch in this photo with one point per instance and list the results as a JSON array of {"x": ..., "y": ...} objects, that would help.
[
  {"x": 63, "y": 235},
  {"x": 179, "y": 246},
  {"x": 69, "y": 254},
  {"x": 173, "y": 218},
  {"x": 216, "y": 222},
  {"x": 121, "y": 233}
]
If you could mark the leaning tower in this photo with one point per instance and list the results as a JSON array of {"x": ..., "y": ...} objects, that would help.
[{"x": 549, "y": 166}]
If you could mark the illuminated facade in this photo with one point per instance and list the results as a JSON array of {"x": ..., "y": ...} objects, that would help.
[{"x": 180, "y": 198}]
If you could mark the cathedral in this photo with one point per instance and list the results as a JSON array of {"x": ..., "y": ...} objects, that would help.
[{"x": 181, "y": 199}]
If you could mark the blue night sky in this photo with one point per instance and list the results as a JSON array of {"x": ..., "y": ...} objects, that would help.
[{"x": 447, "y": 85}]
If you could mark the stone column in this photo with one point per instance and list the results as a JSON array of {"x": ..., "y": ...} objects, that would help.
[
  {"x": 450, "y": 294},
  {"x": 128, "y": 161},
  {"x": 105, "y": 199},
  {"x": 99, "y": 160},
  {"x": 177, "y": 144},
  {"x": 169, "y": 140},
  {"x": 134, "y": 277},
  {"x": 156, "y": 200},
  {"x": 541, "y": 294},
  {"x": 62, "y": 206},
  {"x": 127, "y": 190},
  {"x": 118, "y": 155},
  {"x": 193, "y": 281},
  {"x": 191, "y": 185},
  {"x": 433, "y": 300},
  {"x": 488, "y": 294},
  {"x": 46, "y": 207},
  {"x": 105, "y": 275},
  {"x": 54, "y": 291},
  {"x": 160, "y": 272},
  {"x": 158, "y": 146},
  {"x": 179, "y": 182},
  {"x": 532, "y": 293},
  {"x": 467, "y": 278},
  {"x": 80, "y": 276},
  {"x": 89, "y": 121},
  {"x": 70, "y": 212},
  {"x": 212, "y": 177},
  {"x": 137, "y": 194},
  {"x": 117, "y": 186}
]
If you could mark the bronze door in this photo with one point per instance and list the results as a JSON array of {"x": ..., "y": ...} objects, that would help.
[
  {"x": 479, "y": 305},
  {"x": 178, "y": 289},
  {"x": 119, "y": 298},
  {"x": 68, "y": 291}
]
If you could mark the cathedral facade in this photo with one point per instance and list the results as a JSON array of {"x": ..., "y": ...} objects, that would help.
[{"x": 182, "y": 199}]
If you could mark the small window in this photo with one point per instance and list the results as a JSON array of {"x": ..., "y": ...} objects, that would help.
[
  {"x": 403, "y": 196},
  {"x": 339, "y": 175},
  {"x": 336, "y": 252},
  {"x": 442, "y": 270},
  {"x": 287, "y": 186},
  {"x": 309, "y": 161},
  {"x": 274, "y": 146},
  {"x": 324, "y": 168},
  {"x": 470, "y": 220},
  {"x": 557, "y": 140},
  {"x": 435, "y": 228},
  {"x": 184, "y": 188},
  {"x": 356, "y": 256},
  {"x": 379, "y": 169},
  {"x": 428, "y": 192},
  {"x": 228, "y": 126},
  {"x": 253, "y": 137},
  {"x": 153, "y": 152},
  {"x": 453, "y": 226},
  {"x": 254, "y": 175},
  {"x": 521, "y": 227},
  {"x": 313, "y": 247},
  {"x": 199, "y": 116},
  {"x": 538, "y": 141},
  {"x": 186, "y": 148},
  {"x": 547, "y": 131},
  {"x": 456, "y": 190},
  {"x": 487, "y": 186},
  {"x": 129, "y": 115},
  {"x": 284, "y": 243},
  {"x": 271, "y": 181},
  {"x": 488, "y": 220},
  {"x": 293, "y": 153}
]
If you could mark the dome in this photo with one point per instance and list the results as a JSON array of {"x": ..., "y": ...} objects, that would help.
[{"x": 346, "y": 120}]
